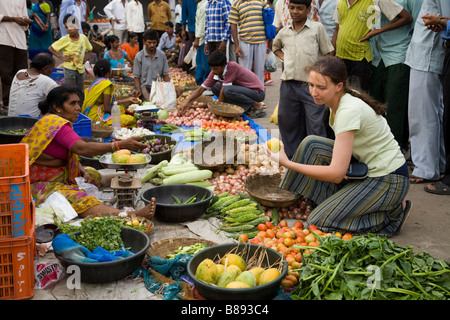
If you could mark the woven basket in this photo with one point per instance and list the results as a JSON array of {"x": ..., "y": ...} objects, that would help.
[
  {"x": 224, "y": 156},
  {"x": 164, "y": 247},
  {"x": 205, "y": 99},
  {"x": 265, "y": 189},
  {"x": 101, "y": 131},
  {"x": 226, "y": 110}
]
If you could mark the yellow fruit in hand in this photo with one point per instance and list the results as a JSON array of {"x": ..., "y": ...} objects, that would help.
[
  {"x": 135, "y": 222},
  {"x": 274, "y": 145}
]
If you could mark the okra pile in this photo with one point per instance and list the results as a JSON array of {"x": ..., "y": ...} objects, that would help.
[{"x": 239, "y": 214}]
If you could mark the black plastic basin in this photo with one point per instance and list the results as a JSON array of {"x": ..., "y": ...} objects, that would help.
[
  {"x": 167, "y": 211},
  {"x": 101, "y": 272},
  {"x": 14, "y": 123}
]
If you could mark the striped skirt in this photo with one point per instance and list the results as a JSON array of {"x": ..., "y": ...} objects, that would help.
[{"x": 370, "y": 205}]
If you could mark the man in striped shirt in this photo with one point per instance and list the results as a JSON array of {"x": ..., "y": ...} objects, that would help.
[
  {"x": 250, "y": 42},
  {"x": 217, "y": 27},
  {"x": 354, "y": 22}
]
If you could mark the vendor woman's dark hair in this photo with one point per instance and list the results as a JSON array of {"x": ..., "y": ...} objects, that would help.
[
  {"x": 334, "y": 68},
  {"x": 102, "y": 67},
  {"x": 110, "y": 39},
  {"x": 217, "y": 58},
  {"x": 56, "y": 98}
]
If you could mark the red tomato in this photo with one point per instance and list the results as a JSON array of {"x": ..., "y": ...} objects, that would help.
[
  {"x": 243, "y": 238},
  {"x": 262, "y": 227},
  {"x": 269, "y": 225},
  {"x": 283, "y": 223},
  {"x": 298, "y": 224},
  {"x": 270, "y": 233},
  {"x": 312, "y": 228}
]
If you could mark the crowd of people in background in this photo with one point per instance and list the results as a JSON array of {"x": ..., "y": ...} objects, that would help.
[{"x": 397, "y": 51}]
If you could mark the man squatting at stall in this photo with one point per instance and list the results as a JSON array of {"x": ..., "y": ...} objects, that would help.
[{"x": 231, "y": 83}]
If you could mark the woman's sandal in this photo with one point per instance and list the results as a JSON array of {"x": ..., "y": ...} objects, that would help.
[{"x": 438, "y": 188}]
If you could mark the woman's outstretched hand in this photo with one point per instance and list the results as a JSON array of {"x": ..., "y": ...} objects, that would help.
[
  {"x": 132, "y": 144},
  {"x": 280, "y": 157}
]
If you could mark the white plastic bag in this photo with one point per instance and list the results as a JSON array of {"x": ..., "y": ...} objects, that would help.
[
  {"x": 270, "y": 64},
  {"x": 61, "y": 206},
  {"x": 191, "y": 57},
  {"x": 163, "y": 94}
]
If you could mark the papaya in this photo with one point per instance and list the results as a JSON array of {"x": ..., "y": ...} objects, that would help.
[
  {"x": 237, "y": 285},
  {"x": 257, "y": 271},
  {"x": 269, "y": 275},
  {"x": 247, "y": 277},
  {"x": 224, "y": 278},
  {"x": 234, "y": 259},
  {"x": 220, "y": 268},
  {"x": 234, "y": 270},
  {"x": 207, "y": 271}
]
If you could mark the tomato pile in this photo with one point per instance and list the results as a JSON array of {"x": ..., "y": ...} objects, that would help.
[
  {"x": 222, "y": 125},
  {"x": 289, "y": 242}
]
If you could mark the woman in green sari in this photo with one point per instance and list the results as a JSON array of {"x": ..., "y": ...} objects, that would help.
[
  {"x": 100, "y": 97},
  {"x": 41, "y": 36}
]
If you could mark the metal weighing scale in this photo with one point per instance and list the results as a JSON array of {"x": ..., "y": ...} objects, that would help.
[{"x": 125, "y": 186}]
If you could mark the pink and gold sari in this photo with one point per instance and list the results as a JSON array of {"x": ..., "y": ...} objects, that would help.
[{"x": 44, "y": 179}]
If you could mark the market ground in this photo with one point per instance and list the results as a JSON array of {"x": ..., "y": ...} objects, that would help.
[{"x": 427, "y": 227}]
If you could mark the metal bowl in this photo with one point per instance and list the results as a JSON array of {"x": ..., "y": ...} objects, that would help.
[
  {"x": 167, "y": 211},
  {"x": 101, "y": 272},
  {"x": 46, "y": 232},
  {"x": 106, "y": 162},
  {"x": 246, "y": 250}
]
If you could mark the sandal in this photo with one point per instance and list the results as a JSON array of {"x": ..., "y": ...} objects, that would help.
[
  {"x": 439, "y": 188},
  {"x": 407, "y": 211},
  {"x": 257, "y": 114}
]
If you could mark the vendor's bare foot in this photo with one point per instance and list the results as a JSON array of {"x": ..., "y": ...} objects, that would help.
[
  {"x": 258, "y": 105},
  {"x": 148, "y": 211}
]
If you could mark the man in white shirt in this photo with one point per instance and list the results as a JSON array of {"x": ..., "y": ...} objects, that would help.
[
  {"x": 13, "y": 43},
  {"x": 115, "y": 10},
  {"x": 135, "y": 20}
]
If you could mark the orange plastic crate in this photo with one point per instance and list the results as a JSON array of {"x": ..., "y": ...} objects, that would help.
[
  {"x": 15, "y": 194},
  {"x": 17, "y": 268}
]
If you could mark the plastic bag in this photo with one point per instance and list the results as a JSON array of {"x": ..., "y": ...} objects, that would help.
[
  {"x": 61, "y": 206},
  {"x": 191, "y": 56},
  {"x": 47, "y": 274},
  {"x": 269, "y": 28},
  {"x": 270, "y": 64},
  {"x": 90, "y": 189},
  {"x": 163, "y": 94}
]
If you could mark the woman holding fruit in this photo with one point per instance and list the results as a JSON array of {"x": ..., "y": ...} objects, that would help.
[
  {"x": 99, "y": 98},
  {"x": 53, "y": 154},
  {"x": 319, "y": 167}
]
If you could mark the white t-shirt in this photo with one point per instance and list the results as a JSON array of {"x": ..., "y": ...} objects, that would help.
[
  {"x": 25, "y": 95},
  {"x": 178, "y": 13}
]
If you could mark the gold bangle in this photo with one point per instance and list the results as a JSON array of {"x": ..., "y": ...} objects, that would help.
[{"x": 113, "y": 146}]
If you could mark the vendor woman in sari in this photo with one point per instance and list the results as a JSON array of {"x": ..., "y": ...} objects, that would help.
[
  {"x": 41, "y": 35},
  {"x": 53, "y": 152},
  {"x": 100, "y": 97},
  {"x": 318, "y": 170}
]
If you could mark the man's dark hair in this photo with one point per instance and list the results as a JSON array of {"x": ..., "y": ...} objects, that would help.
[
  {"x": 150, "y": 35},
  {"x": 85, "y": 26},
  {"x": 42, "y": 60},
  {"x": 169, "y": 23},
  {"x": 217, "y": 59}
]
